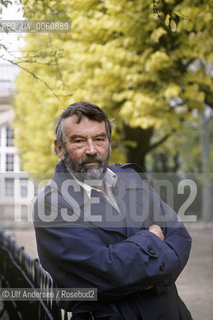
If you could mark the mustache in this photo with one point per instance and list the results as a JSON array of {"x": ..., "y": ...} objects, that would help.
[{"x": 90, "y": 159}]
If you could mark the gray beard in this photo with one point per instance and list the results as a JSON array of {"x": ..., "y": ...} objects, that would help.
[{"x": 82, "y": 172}]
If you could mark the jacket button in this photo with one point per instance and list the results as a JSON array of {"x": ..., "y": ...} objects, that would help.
[
  {"x": 151, "y": 251},
  {"x": 162, "y": 266}
]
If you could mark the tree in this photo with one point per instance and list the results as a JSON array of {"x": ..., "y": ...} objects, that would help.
[{"x": 124, "y": 57}]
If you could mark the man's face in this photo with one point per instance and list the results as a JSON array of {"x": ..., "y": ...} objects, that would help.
[{"x": 87, "y": 147}]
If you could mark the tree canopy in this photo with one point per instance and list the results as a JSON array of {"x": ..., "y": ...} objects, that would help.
[{"x": 143, "y": 62}]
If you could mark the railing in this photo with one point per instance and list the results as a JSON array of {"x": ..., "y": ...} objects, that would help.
[{"x": 18, "y": 270}]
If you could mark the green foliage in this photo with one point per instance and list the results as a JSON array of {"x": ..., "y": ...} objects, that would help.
[
  {"x": 186, "y": 156},
  {"x": 120, "y": 55},
  {"x": 4, "y": 4}
]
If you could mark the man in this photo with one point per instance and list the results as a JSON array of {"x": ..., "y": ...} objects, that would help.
[{"x": 102, "y": 226}]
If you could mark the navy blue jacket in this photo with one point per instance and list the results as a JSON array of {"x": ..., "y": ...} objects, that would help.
[{"x": 133, "y": 270}]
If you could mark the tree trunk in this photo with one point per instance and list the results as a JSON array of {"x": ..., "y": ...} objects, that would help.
[{"x": 142, "y": 137}]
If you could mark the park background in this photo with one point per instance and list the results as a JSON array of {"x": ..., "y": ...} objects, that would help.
[{"x": 149, "y": 65}]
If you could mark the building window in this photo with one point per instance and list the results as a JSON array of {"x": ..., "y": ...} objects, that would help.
[
  {"x": 9, "y": 187},
  {"x": 24, "y": 188},
  {"x": 9, "y": 162},
  {"x": 9, "y": 136}
]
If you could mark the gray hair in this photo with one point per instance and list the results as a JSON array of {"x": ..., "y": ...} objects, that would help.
[{"x": 81, "y": 109}]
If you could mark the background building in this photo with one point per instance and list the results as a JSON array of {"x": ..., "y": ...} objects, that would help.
[{"x": 16, "y": 190}]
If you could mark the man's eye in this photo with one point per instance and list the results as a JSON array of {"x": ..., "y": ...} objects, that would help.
[
  {"x": 99, "y": 139},
  {"x": 78, "y": 141}
]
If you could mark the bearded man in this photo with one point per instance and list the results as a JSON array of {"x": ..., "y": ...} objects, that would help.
[{"x": 102, "y": 227}]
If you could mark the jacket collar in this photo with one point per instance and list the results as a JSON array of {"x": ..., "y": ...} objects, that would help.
[{"x": 127, "y": 179}]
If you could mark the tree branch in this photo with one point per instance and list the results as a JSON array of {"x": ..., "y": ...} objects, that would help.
[
  {"x": 156, "y": 144},
  {"x": 33, "y": 75}
]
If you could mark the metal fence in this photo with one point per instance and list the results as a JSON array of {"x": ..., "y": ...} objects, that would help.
[{"x": 18, "y": 270}]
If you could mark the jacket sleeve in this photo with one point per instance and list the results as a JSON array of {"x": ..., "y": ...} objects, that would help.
[
  {"x": 78, "y": 257},
  {"x": 175, "y": 233}
]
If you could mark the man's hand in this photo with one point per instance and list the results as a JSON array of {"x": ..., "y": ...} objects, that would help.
[{"x": 154, "y": 228}]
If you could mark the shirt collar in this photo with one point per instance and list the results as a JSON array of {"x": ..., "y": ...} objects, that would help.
[{"x": 109, "y": 179}]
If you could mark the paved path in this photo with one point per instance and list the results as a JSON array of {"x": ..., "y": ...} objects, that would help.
[{"x": 195, "y": 285}]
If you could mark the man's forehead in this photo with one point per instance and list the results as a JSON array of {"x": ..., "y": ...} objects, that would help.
[{"x": 73, "y": 123}]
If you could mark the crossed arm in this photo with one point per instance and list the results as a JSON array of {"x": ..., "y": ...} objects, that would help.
[
  {"x": 81, "y": 256},
  {"x": 78, "y": 257}
]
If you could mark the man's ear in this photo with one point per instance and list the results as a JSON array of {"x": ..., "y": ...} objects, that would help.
[{"x": 58, "y": 149}]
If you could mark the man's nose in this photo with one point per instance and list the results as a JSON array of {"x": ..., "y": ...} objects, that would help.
[{"x": 91, "y": 148}]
